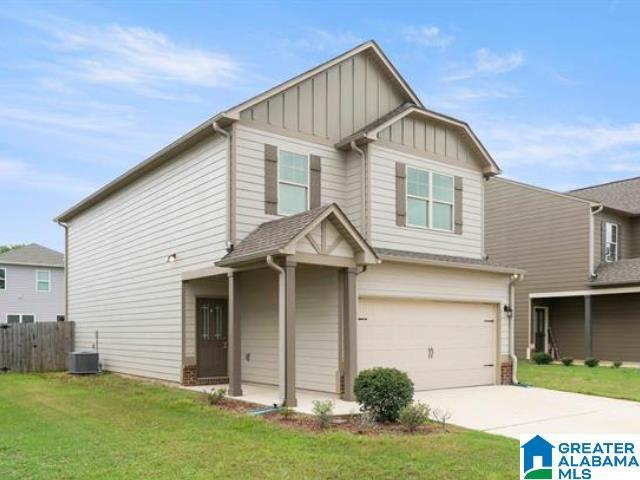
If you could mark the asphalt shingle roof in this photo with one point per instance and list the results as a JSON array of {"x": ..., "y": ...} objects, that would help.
[
  {"x": 626, "y": 270},
  {"x": 623, "y": 195},
  {"x": 33, "y": 254},
  {"x": 387, "y": 252}
]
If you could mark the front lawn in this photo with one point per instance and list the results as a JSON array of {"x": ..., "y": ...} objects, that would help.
[
  {"x": 603, "y": 381},
  {"x": 55, "y": 426}
]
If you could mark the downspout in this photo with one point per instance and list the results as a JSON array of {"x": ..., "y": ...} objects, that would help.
[
  {"x": 592, "y": 215},
  {"x": 363, "y": 189},
  {"x": 511, "y": 316},
  {"x": 281, "y": 327},
  {"x": 227, "y": 135}
]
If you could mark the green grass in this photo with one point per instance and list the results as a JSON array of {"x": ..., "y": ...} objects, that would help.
[
  {"x": 55, "y": 426},
  {"x": 602, "y": 381}
]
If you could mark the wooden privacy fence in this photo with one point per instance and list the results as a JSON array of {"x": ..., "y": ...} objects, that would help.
[{"x": 35, "y": 347}]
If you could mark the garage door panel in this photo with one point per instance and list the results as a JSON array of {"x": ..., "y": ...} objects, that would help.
[{"x": 399, "y": 333}]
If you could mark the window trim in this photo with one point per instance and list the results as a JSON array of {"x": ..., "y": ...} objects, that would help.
[
  {"x": 616, "y": 242},
  {"x": 4, "y": 269},
  {"x": 307, "y": 187},
  {"x": 430, "y": 200},
  {"x": 48, "y": 281},
  {"x": 19, "y": 315}
]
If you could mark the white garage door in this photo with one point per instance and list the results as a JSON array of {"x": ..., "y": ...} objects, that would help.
[{"x": 439, "y": 344}]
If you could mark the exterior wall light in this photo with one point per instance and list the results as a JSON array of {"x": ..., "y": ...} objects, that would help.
[{"x": 171, "y": 258}]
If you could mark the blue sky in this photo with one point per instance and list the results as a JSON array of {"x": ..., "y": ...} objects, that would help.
[{"x": 89, "y": 89}]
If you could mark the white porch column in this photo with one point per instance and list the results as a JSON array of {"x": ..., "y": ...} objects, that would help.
[{"x": 349, "y": 329}]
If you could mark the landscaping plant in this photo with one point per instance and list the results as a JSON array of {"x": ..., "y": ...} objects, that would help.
[
  {"x": 617, "y": 364},
  {"x": 323, "y": 410},
  {"x": 567, "y": 361},
  {"x": 364, "y": 422},
  {"x": 414, "y": 415},
  {"x": 592, "y": 362},
  {"x": 383, "y": 392},
  {"x": 216, "y": 396},
  {"x": 542, "y": 358},
  {"x": 442, "y": 417}
]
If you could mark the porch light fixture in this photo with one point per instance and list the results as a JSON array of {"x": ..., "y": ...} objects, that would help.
[
  {"x": 508, "y": 310},
  {"x": 171, "y": 258}
]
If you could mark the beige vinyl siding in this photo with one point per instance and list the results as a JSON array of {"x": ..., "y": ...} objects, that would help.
[
  {"x": 120, "y": 283},
  {"x": 625, "y": 234},
  {"x": 545, "y": 234},
  {"x": 402, "y": 280},
  {"x": 384, "y": 231},
  {"x": 316, "y": 327},
  {"x": 250, "y": 174},
  {"x": 353, "y": 189},
  {"x": 436, "y": 138},
  {"x": 334, "y": 103}
]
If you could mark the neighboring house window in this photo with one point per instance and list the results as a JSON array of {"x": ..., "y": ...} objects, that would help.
[
  {"x": 611, "y": 245},
  {"x": 293, "y": 183},
  {"x": 43, "y": 280},
  {"x": 28, "y": 318},
  {"x": 21, "y": 318},
  {"x": 59, "y": 318},
  {"x": 430, "y": 198},
  {"x": 13, "y": 318},
  {"x": 3, "y": 278}
]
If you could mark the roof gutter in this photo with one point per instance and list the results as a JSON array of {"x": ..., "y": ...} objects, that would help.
[
  {"x": 230, "y": 182},
  {"x": 592, "y": 214},
  {"x": 443, "y": 263}
]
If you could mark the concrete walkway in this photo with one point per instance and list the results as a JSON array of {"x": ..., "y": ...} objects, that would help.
[{"x": 511, "y": 411}]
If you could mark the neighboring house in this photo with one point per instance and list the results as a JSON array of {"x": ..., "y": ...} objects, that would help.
[
  {"x": 31, "y": 285},
  {"x": 580, "y": 296},
  {"x": 325, "y": 226}
]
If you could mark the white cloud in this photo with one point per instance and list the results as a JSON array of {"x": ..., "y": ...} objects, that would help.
[
  {"x": 428, "y": 36},
  {"x": 319, "y": 40},
  {"x": 489, "y": 62},
  {"x": 15, "y": 172}
]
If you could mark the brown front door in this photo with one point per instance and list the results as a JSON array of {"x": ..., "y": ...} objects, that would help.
[
  {"x": 540, "y": 328},
  {"x": 211, "y": 322}
]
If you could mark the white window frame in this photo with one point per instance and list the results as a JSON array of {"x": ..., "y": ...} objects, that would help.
[
  {"x": 4, "y": 269},
  {"x": 307, "y": 186},
  {"x": 615, "y": 242},
  {"x": 430, "y": 200},
  {"x": 48, "y": 272},
  {"x": 20, "y": 315}
]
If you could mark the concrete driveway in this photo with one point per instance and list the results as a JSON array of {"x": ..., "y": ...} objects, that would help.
[{"x": 511, "y": 411}]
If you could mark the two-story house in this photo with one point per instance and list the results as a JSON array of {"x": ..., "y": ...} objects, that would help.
[
  {"x": 327, "y": 225},
  {"x": 580, "y": 297},
  {"x": 32, "y": 285}
]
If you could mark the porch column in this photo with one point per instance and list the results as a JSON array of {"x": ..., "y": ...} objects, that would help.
[
  {"x": 588, "y": 331},
  {"x": 234, "y": 363},
  {"x": 349, "y": 328},
  {"x": 290, "y": 333}
]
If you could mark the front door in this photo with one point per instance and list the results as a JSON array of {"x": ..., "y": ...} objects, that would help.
[
  {"x": 212, "y": 337},
  {"x": 540, "y": 327}
]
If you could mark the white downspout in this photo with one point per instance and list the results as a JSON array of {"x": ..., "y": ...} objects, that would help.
[
  {"x": 512, "y": 342},
  {"x": 363, "y": 189},
  {"x": 592, "y": 215},
  {"x": 227, "y": 135},
  {"x": 281, "y": 327}
]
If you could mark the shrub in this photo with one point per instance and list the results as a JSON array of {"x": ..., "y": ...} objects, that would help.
[
  {"x": 414, "y": 415},
  {"x": 592, "y": 362},
  {"x": 617, "y": 364},
  {"x": 567, "y": 361},
  {"x": 441, "y": 416},
  {"x": 383, "y": 392},
  {"x": 216, "y": 396},
  {"x": 542, "y": 358},
  {"x": 323, "y": 410},
  {"x": 286, "y": 412},
  {"x": 364, "y": 422}
]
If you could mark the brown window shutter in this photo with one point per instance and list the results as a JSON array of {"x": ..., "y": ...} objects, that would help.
[
  {"x": 401, "y": 194},
  {"x": 271, "y": 179},
  {"x": 458, "y": 199},
  {"x": 315, "y": 181}
]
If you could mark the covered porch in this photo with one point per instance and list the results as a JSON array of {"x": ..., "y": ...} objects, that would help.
[{"x": 279, "y": 311}]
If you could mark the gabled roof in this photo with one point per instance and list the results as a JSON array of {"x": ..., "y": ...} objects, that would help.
[
  {"x": 33, "y": 254},
  {"x": 370, "y": 132},
  {"x": 279, "y": 237},
  {"x": 621, "y": 195}
]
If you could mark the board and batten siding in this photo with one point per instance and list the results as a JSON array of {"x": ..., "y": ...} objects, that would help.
[
  {"x": 542, "y": 232},
  {"x": 334, "y": 103},
  {"x": 249, "y": 183},
  {"x": 21, "y": 296},
  {"x": 120, "y": 283},
  {"x": 402, "y": 280},
  {"x": 317, "y": 315},
  {"x": 384, "y": 231}
]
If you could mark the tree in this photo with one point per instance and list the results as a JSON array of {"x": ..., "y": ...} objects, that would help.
[{"x": 7, "y": 248}]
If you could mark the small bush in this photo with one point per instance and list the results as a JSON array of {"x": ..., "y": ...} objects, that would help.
[
  {"x": 442, "y": 417},
  {"x": 364, "y": 422},
  {"x": 286, "y": 412},
  {"x": 216, "y": 396},
  {"x": 323, "y": 410},
  {"x": 617, "y": 364},
  {"x": 592, "y": 362},
  {"x": 383, "y": 392},
  {"x": 567, "y": 361},
  {"x": 414, "y": 415},
  {"x": 542, "y": 358}
]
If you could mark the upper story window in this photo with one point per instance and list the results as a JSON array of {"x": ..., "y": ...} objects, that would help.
[
  {"x": 43, "y": 280},
  {"x": 3, "y": 278},
  {"x": 611, "y": 242},
  {"x": 293, "y": 183},
  {"x": 430, "y": 199}
]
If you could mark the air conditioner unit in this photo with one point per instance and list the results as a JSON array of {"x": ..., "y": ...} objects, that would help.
[{"x": 84, "y": 362}]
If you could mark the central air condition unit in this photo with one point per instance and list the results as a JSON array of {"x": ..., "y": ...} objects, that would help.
[{"x": 84, "y": 362}]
